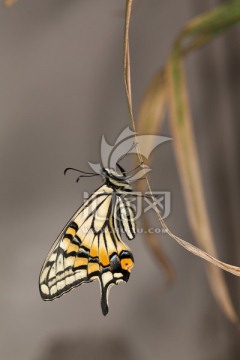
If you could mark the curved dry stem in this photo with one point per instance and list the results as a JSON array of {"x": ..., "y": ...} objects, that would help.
[{"x": 127, "y": 79}]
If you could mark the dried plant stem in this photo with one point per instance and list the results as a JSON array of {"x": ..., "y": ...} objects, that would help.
[
  {"x": 127, "y": 78},
  {"x": 127, "y": 81},
  {"x": 153, "y": 105},
  {"x": 169, "y": 90}
]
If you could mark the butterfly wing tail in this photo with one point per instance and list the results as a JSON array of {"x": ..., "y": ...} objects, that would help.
[{"x": 104, "y": 299}]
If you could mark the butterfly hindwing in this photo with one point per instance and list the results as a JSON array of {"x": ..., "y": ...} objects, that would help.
[{"x": 89, "y": 247}]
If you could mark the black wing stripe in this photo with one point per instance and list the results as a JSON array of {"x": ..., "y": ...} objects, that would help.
[
  {"x": 127, "y": 218},
  {"x": 78, "y": 257}
]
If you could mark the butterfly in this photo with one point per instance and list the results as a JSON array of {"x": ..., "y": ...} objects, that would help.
[{"x": 90, "y": 246}]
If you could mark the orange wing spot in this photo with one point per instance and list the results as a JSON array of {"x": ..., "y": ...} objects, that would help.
[
  {"x": 80, "y": 262},
  {"x": 92, "y": 267},
  {"x": 127, "y": 264},
  {"x": 103, "y": 257},
  {"x": 94, "y": 251},
  {"x": 72, "y": 247},
  {"x": 71, "y": 231}
]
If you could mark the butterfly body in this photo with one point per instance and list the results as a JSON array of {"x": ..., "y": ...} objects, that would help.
[{"x": 90, "y": 246}]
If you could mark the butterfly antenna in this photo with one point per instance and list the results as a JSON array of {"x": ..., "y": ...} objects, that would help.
[
  {"x": 81, "y": 176},
  {"x": 83, "y": 172}
]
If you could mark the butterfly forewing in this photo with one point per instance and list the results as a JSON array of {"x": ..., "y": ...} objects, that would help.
[{"x": 89, "y": 247}]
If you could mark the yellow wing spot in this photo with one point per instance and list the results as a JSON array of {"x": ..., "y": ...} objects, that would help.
[
  {"x": 127, "y": 264},
  {"x": 80, "y": 262},
  {"x": 94, "y": 248},
  {"x": 103, "y": 257},
  {"x": 71, "y": 231},
  {"x": 92, "y": 267},
  {"x": 72, "y": 248},
  {"x": 94, "y": 251}
]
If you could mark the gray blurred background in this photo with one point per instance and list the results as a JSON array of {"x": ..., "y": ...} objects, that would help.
[{"x": 61, "y": 89}]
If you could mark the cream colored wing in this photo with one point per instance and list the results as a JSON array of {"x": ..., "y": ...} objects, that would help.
[{"x": 88, "y": 248}]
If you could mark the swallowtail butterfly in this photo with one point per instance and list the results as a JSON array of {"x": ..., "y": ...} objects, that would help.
[{"x": 90, "y": 246}]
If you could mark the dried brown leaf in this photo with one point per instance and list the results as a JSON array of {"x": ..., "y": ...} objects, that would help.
[
  {"x": 150, "y": 118},
  {"x": 9, "y": 3},
  {"x": 199, "y": 217},
  {"x": 153, "y": 105}
]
